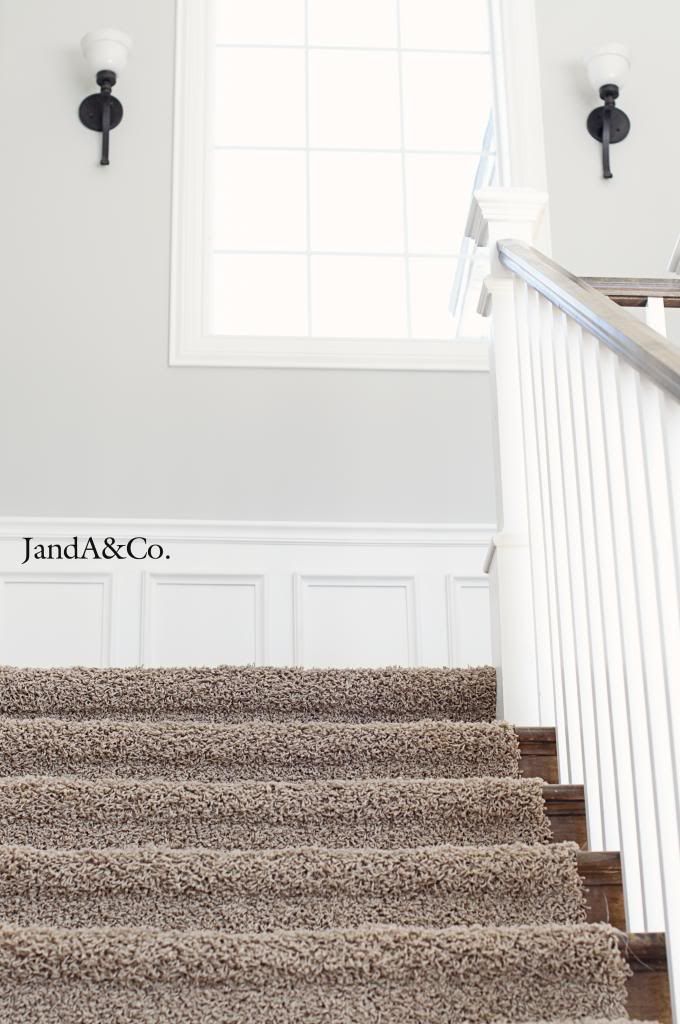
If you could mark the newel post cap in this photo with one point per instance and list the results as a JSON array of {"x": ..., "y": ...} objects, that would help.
[{"x": 506, "y": 212}]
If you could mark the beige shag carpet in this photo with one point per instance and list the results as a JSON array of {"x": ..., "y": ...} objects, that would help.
[
  {"x": 63, "y": 811},
  {"x": 307, "y": 887},
  {"x": 295, "y": 977},
  {"x": 234, "y": 694},
  {"x": 366, "y": 974},
  {"x": 257, "y": 750},
  {"x": 283, "y": 846}
]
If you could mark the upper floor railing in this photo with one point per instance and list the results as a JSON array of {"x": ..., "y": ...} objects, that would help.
[{"x": 586, "y": 566}]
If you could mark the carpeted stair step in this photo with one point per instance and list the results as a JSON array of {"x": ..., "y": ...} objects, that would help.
[
  {"x": 309, "y": 887},
  {"x": 362, "y": 975},
  {"x": 215, "y": 752},
  {"x": 232, "y": 694},
  {"x": 69, "y": 812}
]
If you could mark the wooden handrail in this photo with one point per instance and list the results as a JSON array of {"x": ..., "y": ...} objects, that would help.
[
  {"x": 615, "y": 327},
  {"x": 635, "y": 291}
]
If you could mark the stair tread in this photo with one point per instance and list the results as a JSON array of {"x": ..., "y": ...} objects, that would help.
[
  {"x": 49, "y": 811},
  {"x": 305, "y": 887},
  {"x": 443, "y": 974},
  {"x": 234, "y": 693},
  {"x": 212, "y": 752}
]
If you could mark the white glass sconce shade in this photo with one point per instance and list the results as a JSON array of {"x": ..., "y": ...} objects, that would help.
[
  {"x": 106, "y": 49},
  {"x": 608, "y": 65}
]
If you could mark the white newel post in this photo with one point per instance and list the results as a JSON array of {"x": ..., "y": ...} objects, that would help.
[{"x": 510, "y": 213}]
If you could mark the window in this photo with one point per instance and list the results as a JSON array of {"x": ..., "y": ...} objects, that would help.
[{"x": 326, "y": 153}]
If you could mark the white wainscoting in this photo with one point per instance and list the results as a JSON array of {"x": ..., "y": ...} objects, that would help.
[{"x": 342, "y": 595}]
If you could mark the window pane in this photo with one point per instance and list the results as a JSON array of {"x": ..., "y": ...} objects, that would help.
[
  {"x": 354, "y": 100},
  {"x": 431, "y": 281},
  {"x": 297, "y": 164},
  {"x": 438, "y": 190},
  {"x": 447, "y": 100},
  {"x": 352, "y": 23},
  {"x": 260, "y": 21},
  {"x": 356, "y": 202},
  {"x": 260, "y": 200},
  {"x": 260, "y": 295},
  {"x": 358, "y": 297},
  {"x": 444, "y": 24},
  {"x": 260, "y": 97}
]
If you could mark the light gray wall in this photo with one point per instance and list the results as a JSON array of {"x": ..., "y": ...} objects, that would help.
[
  {"x": 627, "y": 225},
  {"x": 94, "y": 422}
]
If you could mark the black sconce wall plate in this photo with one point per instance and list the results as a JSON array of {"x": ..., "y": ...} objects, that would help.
[
  {"x": 102, "y": 112},
  {"x": 608, "y": 124}
]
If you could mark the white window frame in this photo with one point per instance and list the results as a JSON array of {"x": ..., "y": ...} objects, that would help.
[{"x": 190, "y": 343}]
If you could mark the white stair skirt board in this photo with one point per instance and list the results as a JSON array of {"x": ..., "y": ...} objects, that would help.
[{"x": 343, "y": 594}]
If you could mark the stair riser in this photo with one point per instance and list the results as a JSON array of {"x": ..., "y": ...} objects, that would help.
[
  {"x": 566, "y": 810},
  {"x": 538, "y": 754},
  {"x": 648, "y": 990},
  {"x": 602, "y": 878}
]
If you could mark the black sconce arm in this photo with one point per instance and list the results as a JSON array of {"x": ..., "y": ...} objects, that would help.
[
  {"x": 608, "y": 124},
  {"x": 102, "y": 112}
]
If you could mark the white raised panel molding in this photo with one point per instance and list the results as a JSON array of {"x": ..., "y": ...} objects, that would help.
[
  {"x": 250, "y": 573},
  {"x": 60, "y": 618},
  {"x": 469, "y": 641},
  {"x": 362, "y": 610},
  {"x": 206, "y": 626}
]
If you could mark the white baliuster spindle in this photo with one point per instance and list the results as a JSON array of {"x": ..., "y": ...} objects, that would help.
[
  {"x": 588, "y": 647},
  {"x": 537, "y": 528}
]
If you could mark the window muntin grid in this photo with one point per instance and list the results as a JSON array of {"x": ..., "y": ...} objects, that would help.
[{"x": 347, "y": 139}]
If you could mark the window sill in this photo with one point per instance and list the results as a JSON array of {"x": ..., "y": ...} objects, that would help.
[{"x": 466, "y": 355}]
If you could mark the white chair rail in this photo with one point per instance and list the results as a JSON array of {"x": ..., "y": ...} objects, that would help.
[{"x": 595, "y": 447}]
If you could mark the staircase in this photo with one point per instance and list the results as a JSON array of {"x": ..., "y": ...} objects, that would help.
[{"x": 252, "y": 845}]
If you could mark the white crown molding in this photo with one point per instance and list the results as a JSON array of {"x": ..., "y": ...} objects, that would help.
[{"x": 251, "y": 532}]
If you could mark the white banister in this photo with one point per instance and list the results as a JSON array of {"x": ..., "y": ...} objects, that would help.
[{"x": 588, "y": 471}]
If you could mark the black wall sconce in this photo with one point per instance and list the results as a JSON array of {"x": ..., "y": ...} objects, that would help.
[
  {"x": 106, "y": 52},
  {"x": 607, "y": 68}
]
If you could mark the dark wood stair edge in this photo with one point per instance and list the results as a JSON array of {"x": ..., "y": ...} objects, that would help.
[
  {"x": 603, "y": 882},
  {"x": 648, "y": 987},
  {"x": 538, "y": 753},
  {"x": 634, "y": 291},
  {"x": 649, "y": 996}
]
